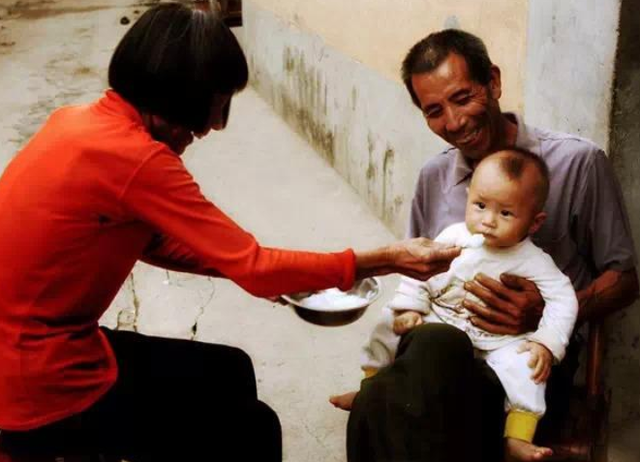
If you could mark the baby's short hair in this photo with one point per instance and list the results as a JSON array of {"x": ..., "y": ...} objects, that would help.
[{"x": 514, "y": 162}]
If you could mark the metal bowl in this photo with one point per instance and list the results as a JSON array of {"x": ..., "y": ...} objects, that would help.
[{"x": 369, "y": 288}]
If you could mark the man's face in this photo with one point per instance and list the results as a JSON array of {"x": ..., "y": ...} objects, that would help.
[{"x": 458, "y": 109}]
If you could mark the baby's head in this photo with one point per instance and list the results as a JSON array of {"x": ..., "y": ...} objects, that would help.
[{"x": 506, "y": 196}]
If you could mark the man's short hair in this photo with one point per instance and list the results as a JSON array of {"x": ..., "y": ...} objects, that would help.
[
  {"x": 514, "y": 162},
  {"x": 430, "y": 52},
  {"x": 173, "y": 60}
]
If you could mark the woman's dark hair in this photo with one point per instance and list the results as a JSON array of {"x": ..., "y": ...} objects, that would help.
[
  {"x": 173, "y": 60},
  {"x": 429, "y": 53}
]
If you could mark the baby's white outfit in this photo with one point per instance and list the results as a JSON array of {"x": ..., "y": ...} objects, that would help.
[{"x": 440, "y": 299}]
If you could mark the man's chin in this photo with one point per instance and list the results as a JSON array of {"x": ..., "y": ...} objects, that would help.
[
  {"x": 472, "y": 153},
  {"x": 476, "y": 151}
]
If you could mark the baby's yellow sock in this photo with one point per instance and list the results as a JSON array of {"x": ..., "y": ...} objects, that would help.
[{"x": 521, "y": 425}]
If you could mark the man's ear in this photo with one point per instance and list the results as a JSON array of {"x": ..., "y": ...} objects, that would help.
[
  {"x": 495, "y": 84},
  {"x": 537, "y": 222}
]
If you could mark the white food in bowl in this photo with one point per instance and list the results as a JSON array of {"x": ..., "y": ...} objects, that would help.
[{"x": 333, "y": 299}]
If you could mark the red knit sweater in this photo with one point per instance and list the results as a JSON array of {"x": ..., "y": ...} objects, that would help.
[{"x": 89, "y": 195}]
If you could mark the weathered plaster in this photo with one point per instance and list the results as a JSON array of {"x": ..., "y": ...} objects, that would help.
[
  {"x": 570, "y": 63},
  {"x": 363, "y": 124},
  {"x": 377, "y": 33},
  {"x": 623, "y": 365}
]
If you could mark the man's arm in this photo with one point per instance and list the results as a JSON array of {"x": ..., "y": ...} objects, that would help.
[
  {"x": 602, "y": 223},
  {"x": 612, "y": 291},
  {"x": 514, "y": 305}
]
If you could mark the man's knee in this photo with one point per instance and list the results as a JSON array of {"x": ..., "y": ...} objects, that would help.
[{"x": 373, "y": 391}]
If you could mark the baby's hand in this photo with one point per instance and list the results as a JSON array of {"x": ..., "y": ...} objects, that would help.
[
  {"x": 540, "y": 361},
  {"x": 406, "y": 321}
]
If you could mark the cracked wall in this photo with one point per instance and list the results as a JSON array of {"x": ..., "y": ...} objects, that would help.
[
  {"x": 360, "y": 122},
  {"x": 377, "y": 33}
]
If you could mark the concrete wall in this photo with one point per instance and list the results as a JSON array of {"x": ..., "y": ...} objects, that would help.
[
  {"x": 343, "y": 93},
  {"x": 570, "y": 65},
  {"x": 377, "y": 33},
  {"x": 359, "y": 121},
  {"x": 624, "y": 329}
]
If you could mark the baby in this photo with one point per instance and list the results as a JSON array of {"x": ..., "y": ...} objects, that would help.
[{"x": 504, "y": 207}]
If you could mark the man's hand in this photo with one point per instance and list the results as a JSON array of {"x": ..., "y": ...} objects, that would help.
[
  {"x": 406, "y": 321},
  {"x": 540, "y": 360},
  {"x": 513, "y": 306}
]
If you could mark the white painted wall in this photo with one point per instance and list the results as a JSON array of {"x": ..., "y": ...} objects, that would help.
[
  {"x": 377, "y": 33},
  {"x": 570, "y": 65}
]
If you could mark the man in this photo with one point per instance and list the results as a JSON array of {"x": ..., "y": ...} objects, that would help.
[{"x": 435, "y": 402}]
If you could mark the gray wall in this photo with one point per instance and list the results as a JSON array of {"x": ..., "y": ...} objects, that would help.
[
  {"x": 624, "y": 339},
  {"x": 360, "y": 122},
  {"x": 570, "y": 60}
]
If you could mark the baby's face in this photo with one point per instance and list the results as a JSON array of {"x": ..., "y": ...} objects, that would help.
[{"x": 500, "y": 209}]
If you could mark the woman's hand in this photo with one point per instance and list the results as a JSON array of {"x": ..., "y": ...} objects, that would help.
[
  {"x": 419, "y": 258},
  {"x": 512, "y": 306}
]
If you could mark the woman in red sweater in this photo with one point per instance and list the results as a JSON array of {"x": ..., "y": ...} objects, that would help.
[{"x": 101, "y": 186}]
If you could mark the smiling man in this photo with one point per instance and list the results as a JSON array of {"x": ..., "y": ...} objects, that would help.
[{"x": 435, "y": 402}]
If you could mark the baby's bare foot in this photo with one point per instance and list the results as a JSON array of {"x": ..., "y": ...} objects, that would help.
[
  {"x": 518, "y": 450},
  {"x": 345, "y": 401}
]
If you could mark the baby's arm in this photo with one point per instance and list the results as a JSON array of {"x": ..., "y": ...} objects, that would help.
[
  {"x": 561, "y": 306},
  {"x": 411, "y": 300},
  {"x": 410, "y": 303},
  {"x": 411, "y": 295}
]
